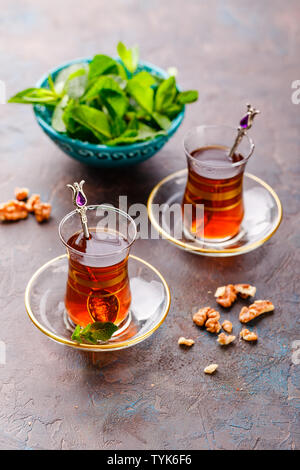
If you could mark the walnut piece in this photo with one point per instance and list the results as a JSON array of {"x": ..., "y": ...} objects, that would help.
[
  {"x": 212, "y": 325},
  {"x": 200, "y": 317},
  {"x": 245, "y": 290},
  {"x": 226, "y": 295},
  {"x": 42, "y": 211},
  {"x": 212, "y": 313},
  {"x": 13, "y": 210},
  {"x": 32, "y": 202},
  {"x": 227, "y": 326},
  {"x": 211, "y": 368},
  {"x": 204, "y": 314},
  {"x": 220, "y": 291},
  {"x": 185, "y": 341},
  {"x": 224, "y": 339},
  {"x": 21, "y": 193},
  {"x": 253, "y": 311},
  {"x": 248, "y": 335}
]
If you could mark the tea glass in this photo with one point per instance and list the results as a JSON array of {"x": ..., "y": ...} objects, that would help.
[
  {"x": 98, "y": 286},
  {"x": 216, "y": 187}
]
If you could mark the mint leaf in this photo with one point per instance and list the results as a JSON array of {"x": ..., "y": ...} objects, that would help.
[
  {"x": 118, "y": 126},
  {"x": 130, "y": 57},
  {"x": 51, "y": 84},
  {"x": 115, "y": 103},
  {"x": 76, "y": 130},
  {"x": 102, "y": 64},
  {"x": 94, "y": 332},
  {"x": 165, "y": 94},
  {"x": 76, "y": 334},
  {"x": 102, "y": 82},
  {"x": 57, "y": 121},
  {"x": 163, "y": 121},
  {"x": 121, "y": 71},
  {"x": 144, "y": 79},
  {"x": 147, "y": 132},
  {"x": 64, "y": 74},
  {"x": 143, "y": 96},
  {"x": 76, "y": 83},
  {"x": 110, "y": 93},
  {"x": 119, "y": 80},
  {"x": 71, "y": 125},
  {"x": 127, "y": 137},
  {"x": 130, "y": 136},
  {"x": 173, "y": 110},
  {"x": 185, "y": 97},
  {"x": 93, "y": 119},
  {"x": 133, "y": 121},
  {"x": 35, "y": 96}
]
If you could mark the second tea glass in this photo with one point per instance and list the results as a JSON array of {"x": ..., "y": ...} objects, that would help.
[{"x": 214, "y": 184}]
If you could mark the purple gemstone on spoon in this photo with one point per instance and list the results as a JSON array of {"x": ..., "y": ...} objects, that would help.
[
  {"x": 244, "y": 121},
  {"x": 80, "y": 199}
]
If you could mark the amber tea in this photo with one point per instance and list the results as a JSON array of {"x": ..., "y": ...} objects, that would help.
[
  {"x": 221, "y": 194},
  {"x": 98, "y": 284},
  {"x": 97, "y": 292},
  {"x": 212, "y": 204}
]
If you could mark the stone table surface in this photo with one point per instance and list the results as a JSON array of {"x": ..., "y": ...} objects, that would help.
[{"x": 155, "y": 395}]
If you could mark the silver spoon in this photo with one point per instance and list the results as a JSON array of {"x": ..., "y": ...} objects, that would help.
[{"x": 245, "y": 124}]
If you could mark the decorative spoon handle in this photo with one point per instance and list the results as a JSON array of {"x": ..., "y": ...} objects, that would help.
[
  {"x": 245, "y": 124},
  {"x": 80, "y": 201}
]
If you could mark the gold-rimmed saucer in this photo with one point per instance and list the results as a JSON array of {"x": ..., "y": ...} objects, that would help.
[
  {"x": 44, "y": 301},
  {"x": 263, "y": 214}
]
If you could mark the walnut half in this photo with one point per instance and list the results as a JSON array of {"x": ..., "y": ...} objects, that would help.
[
  {"x": 204, "y": 314},
  {"x": 32, "y": 202},
  {"x": 224, "y": 339},
  {"x": 211, "y": 368},
  {"x": 185, "y": 342},
  {"x": 253, "y": 311},
  {"x": 13, "y": 210},
  {"x": 212, "y": 325},
  {"x": 200, "y": 316},
  {"x": 42, "y": 211},
  {"x": 248, "y": 335},
  {"x": 21, "y": 193},
  {"x": 226, "y": 295},
  {"x": 245, "y": 290},
  {"x": 227, "y": 326}
]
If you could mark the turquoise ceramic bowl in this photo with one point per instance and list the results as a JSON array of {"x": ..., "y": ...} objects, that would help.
[{"x": 103, "y": 155}]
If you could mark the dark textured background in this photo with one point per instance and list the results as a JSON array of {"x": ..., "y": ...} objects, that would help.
[{"x": 155, "y": 395}]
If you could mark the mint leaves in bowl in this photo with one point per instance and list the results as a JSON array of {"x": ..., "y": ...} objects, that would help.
[{"x": 108, "y": 112}]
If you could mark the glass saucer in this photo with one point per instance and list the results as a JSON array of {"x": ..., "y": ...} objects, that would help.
[
  {"x": 44, "y": 301},
  {"x": 263, "y": 214}
]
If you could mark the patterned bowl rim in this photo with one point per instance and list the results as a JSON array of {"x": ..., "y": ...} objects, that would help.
[{"x": 86, "y": 145}]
